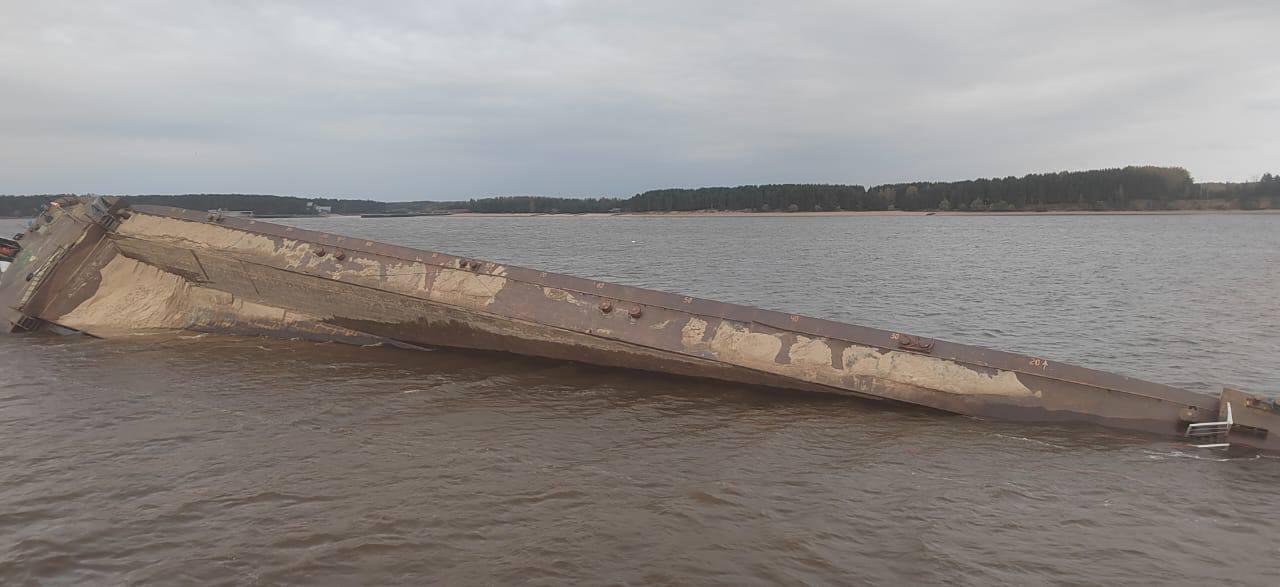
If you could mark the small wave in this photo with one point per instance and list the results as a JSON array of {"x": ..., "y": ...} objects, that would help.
[
  {"x": 1025, "y": 439},
  {"x": 704, "y": 497},
  {"x": 556, "y": 494},
  {"x": 1214, "y": 457}
]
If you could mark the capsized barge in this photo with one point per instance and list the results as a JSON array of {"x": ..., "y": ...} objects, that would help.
[{"x": 97, "y": 266}]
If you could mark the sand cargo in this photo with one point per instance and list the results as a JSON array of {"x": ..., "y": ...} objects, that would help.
[{"x": 99, "y": 267}]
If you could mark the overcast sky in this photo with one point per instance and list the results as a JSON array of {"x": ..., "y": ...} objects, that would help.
[{"x": 444, "y": 100}]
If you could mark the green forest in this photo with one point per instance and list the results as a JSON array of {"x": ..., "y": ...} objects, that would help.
[
  {"x": 533, "y": 204},
  {"x": 1128, "y": 188},
  {"x": 27, "y": 206}
]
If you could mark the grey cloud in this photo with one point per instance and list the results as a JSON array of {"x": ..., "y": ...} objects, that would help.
[{"x": 407, "y": 100}]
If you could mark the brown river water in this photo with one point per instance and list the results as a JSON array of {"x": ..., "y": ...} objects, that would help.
[{"x": 205, "y": 459}]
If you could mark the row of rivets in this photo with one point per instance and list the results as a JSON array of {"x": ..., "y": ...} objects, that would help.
[
  {"x": 340, "y": 255},
  {"x": 635, "y": 312}
]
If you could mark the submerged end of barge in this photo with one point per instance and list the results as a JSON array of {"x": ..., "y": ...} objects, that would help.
[{"x": 97, "y": 266}]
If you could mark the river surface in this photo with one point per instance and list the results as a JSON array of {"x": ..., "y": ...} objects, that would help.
[{"x": 222, "y": 460}]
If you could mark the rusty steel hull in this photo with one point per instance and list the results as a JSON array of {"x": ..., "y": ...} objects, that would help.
[{"x": 103, "y": 269}]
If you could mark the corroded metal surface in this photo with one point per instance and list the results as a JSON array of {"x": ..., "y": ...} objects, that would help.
[{"x": 110, "y": 271}]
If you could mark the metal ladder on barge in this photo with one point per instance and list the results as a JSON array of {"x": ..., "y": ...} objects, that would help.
[{"x": 1211, "y": 434}]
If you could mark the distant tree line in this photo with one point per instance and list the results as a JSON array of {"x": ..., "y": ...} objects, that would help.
[
  {"x": 26, "y": 206},
  {"x": 1147, "y": 188},
  {"x": 764, "y": 198},
  {"x": 1102, "y": 189},
  {"x": 1251, "y": 195},
  {"x": 22, "y": 206},
  {"x": 1129, "y": 188},
  {"x": 543, "y": 205},
  {"x": 1110, "y": 189}
]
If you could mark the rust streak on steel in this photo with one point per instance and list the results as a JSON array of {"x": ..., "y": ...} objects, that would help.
[{"x": 101, "y": 268}]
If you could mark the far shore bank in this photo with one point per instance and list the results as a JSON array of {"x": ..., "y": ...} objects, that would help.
[
  {"x": 726, "y": 214},
  {"x": 740, "y": 214}
]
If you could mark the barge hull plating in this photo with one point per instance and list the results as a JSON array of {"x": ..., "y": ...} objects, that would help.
[{"x": 101, "y": 268}]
